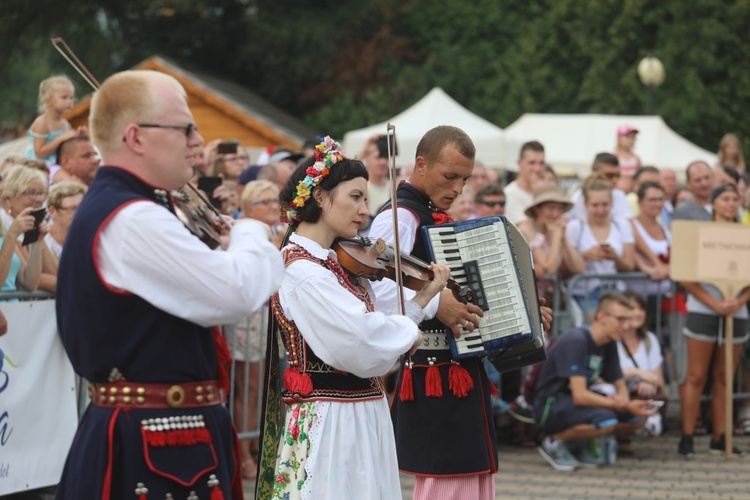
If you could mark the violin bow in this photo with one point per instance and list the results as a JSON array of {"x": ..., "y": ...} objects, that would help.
[
  {"x": 391, "y": 143},
  {"x": 73, "y": 60},
  {"x": 69, "y": 56}
]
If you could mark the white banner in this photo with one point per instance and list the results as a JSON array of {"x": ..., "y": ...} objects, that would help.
[{"x": 38, "y": 408}]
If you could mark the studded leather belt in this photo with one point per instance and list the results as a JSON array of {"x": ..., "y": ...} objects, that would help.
[
  {"x": 434, "y": 340},
  {"x": 152, "y": 395}
]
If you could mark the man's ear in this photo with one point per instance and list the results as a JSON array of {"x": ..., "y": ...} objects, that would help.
[{"x": 420, "y": 166}]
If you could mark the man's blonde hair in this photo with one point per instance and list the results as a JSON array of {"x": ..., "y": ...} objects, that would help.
[
  {"x": 64, "y": 189},
  {"x": 18, "y": 179},
  {"x": 124, "y": 98}
]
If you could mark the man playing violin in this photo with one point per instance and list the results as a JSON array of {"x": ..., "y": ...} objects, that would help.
[
  {"x": 157, "y": 370},
  {"x": 444, "y": 428}
]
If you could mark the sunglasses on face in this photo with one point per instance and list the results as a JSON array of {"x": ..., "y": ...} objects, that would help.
[
  {"x": 493, "y": 204},
  {"x": 612, "y": 175}
]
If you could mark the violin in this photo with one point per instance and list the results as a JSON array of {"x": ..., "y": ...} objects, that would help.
[
  {"x": 377, "y": 260},
  {"x": 195, "y": 214}
]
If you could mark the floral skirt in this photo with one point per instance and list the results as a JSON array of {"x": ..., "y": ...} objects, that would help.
[{"x": 337, "y": 450}]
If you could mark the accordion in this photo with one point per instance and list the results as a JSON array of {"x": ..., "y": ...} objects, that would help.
[{"x": 492, "y": 258}]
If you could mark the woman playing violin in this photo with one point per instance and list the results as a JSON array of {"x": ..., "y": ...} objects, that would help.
[{"x": 337, "y": 441}]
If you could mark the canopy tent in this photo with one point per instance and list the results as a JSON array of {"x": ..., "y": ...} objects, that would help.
[
  {"x": 438, "y": 108},
  {"x": 572, "y": 141}
]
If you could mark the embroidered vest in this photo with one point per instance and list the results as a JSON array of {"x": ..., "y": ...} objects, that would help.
[{"x": 308, "y": 378}]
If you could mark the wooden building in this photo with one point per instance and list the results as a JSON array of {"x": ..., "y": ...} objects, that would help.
[{"x": 223, "y": 110}]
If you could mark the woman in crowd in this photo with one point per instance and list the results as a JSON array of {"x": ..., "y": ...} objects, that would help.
[
  {"x": 338, "y": 440},
  {"x": 641, "y": 362},
  {"x": 545, "y": 231},
  {"x": 652, "y": 241},
  {"x": 229, "y": 166},
  {"x": 730, "y": 153},
  {"x": 247, "y": 340},
  {"x": 704, "y": 331},
  {"x": 605, "y": 243},
  {"x": 21, "y": 267},
  {"x": 63, "y": 201}
]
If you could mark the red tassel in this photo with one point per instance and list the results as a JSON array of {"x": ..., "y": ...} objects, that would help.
[
  {"x": 296, "y": 382},
  {"x": 407, "y": 384},
  {"x": 141, "y": 491},
  {"x": 433, "y": 384},
  {"x": 223, "y": 358},
  {"x": 459, "y": 380},
  {"x": 216, "y": 493},
  {"x": 493, "y": 390}
]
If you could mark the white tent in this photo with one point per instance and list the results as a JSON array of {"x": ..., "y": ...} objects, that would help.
[
  {"x": 438, "y": 108},
  {"x": 572, "y": 141}
]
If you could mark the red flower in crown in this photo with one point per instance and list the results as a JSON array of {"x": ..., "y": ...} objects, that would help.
[{"x": 441, "y": 217}]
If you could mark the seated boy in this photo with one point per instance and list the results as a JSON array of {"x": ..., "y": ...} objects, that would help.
[{"x": 564, "y": 404}]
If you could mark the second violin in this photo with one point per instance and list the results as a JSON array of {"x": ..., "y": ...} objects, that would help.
[{"x": 376, "y": 260}]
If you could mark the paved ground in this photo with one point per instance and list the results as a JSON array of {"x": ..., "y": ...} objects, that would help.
[{"x": 656, "y": 471}]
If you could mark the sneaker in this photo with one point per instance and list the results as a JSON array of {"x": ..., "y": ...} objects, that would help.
[
  {"x": 558, "y": 455},
  {"x": 521, "y": 411},
  {"x": 587, "y": 453},
  {"x": 720, "y": 446},
  {"x": 686, "y": 448}
]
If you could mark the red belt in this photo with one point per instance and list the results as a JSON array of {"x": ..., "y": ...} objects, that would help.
[{"x": 152, "y": 395}]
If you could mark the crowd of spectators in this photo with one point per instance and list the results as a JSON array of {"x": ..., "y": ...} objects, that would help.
[{"x": 617, "y": 221}]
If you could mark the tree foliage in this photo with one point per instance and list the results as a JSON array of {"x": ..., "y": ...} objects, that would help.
[{"x": 344, "y": 65}]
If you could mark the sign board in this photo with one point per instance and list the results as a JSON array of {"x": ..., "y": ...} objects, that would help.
[
  {"x": 712, "y": 252},
  {"x": 38, "y": 403}
]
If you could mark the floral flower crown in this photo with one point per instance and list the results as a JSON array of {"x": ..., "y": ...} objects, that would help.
[{"x": 327, "y": 153}]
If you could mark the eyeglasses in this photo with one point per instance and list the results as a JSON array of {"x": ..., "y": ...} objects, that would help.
[
  {"x": 34, "y": 194},
  {"x": 269, "y": 202},
  {"x": 612, "y": 175},
  {"x": 493, "y": 204},
  {"x": 187, "y": 129},
  {"x": 68, "y": 209},
  {"x": 237, "y": 158},
  {"x": 653, "y": 200},
  {"x": 621, "y": 319}
]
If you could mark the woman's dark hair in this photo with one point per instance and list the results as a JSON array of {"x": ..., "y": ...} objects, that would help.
[
  {"x": 638, "y": 299},
  {"x": 342, "y": 171},
  {"x": 646, "y": 186}
]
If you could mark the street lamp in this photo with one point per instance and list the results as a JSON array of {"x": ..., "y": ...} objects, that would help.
[{"x": 651, "y": 73}]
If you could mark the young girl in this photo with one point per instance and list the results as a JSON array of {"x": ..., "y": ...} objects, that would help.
[
  {"x": 730, "y": 153},
  {"x": 338, "y": 439},
  {"x": 629, "y": 161},
  {"x": 50, "y": 129}
]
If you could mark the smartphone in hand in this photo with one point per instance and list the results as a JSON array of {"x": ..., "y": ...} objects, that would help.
[
  {"x": 655, "y": 405},
  {"x": 208, "y": 184},
  {"x": 32, "y": 235}
]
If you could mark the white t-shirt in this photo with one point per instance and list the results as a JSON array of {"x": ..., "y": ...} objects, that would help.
[
  {"x": 647, "y": 359},
  {"x": 578, "y": 234},
  {"x": 517, "y": 200}
]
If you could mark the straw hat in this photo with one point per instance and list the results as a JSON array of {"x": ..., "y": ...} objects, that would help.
[{"x": 546, "y": 194}]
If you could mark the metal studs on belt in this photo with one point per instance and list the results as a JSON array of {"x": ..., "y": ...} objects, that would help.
[
  {"x": 141, "y": 489},
  {"x": 431, "y": 360}
]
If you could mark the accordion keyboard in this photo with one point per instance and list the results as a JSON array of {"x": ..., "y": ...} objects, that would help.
[{"x": 482, "y": 259}]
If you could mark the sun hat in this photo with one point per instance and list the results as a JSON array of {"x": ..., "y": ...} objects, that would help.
[{"x": 545, "y": 194}]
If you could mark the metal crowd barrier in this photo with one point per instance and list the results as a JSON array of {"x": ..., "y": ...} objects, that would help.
[{"x": 246, "y": 341}]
